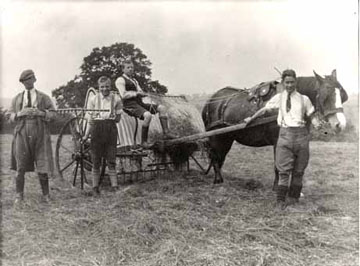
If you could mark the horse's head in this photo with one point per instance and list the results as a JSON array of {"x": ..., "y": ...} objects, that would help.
[{"x": 330, "y": 96}]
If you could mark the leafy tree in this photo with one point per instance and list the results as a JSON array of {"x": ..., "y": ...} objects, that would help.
[{"x": 106, "y": 61}]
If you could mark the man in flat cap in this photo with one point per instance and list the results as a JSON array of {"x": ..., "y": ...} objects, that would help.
[{"x": 31, "y": 146}]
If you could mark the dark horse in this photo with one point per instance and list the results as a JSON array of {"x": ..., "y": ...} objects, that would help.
[{"x": 230, "y": 106}]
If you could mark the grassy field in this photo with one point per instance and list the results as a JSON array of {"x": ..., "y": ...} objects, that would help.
[{"x": 183, "y": 219}]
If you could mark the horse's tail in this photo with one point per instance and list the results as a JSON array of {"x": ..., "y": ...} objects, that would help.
[{"x": 205, "y": 113}]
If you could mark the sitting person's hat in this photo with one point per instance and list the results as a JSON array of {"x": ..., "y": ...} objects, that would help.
[{"x": 26, "y": 74}]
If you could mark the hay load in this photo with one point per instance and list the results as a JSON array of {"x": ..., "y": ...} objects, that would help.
[{"x": 184, "y": 120}]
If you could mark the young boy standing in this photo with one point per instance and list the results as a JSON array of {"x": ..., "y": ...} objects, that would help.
[{"x": 103, "y": 131}]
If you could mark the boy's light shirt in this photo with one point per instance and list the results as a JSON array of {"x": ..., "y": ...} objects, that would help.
[{"x": 104, "y": 102}]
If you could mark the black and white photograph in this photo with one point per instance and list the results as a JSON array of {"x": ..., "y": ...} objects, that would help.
[{"x": 179, "y": 133}]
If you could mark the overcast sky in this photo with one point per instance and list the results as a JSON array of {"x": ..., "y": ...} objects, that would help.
[{"x": 194, "y": 46}]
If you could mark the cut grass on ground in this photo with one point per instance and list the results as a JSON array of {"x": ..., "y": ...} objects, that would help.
[{"x": 183, "y": 219}]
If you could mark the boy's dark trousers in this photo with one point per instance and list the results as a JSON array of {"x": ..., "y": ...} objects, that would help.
[{"x": 103, "y": 145}]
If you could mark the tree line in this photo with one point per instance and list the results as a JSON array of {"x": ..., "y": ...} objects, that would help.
[{"x": 107, "y": 61}]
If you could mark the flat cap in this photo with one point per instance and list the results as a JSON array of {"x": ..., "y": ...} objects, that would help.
[{"x": 28, "y": 73}]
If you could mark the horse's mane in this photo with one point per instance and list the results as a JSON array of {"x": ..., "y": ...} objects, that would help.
[
  {"x": 307, "y": 86},
  {"x": 229, "y": 88}
]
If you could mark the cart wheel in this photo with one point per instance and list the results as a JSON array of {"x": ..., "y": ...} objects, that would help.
[{"x": 72, "y": 156}]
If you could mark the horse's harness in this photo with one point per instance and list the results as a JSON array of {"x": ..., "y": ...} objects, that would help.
[{"x": 257, "y": 96}]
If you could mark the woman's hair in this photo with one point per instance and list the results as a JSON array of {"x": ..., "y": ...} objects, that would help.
[
  {"x": 126, "y": 62},
  {"x": 103, "y": 79},
  {"x": 288, "y": 73}
]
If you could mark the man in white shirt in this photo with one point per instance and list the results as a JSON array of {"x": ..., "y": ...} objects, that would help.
[
  {"x": 103, "y": 130},
  {"x": 31, "y": 147},
  {"x": 132, "y": 95},
  {"x": 292, "y": 148}
]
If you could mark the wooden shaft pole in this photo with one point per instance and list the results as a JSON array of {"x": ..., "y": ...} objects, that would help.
[{"x": 220, "y": 131}]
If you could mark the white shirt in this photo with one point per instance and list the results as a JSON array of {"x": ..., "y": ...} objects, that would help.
[
  {"x": 300, "y": 105},
  {"x": 33, "y": 98},
  {"x": 120, "y": 85},
  {"x": 100, "y": 102}
]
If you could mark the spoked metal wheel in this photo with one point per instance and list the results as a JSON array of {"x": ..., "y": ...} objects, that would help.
[{"x": 72, "y": 155}]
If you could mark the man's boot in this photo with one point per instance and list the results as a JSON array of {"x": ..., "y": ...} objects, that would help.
[
  {"x": 144, "y": 137},
  {"x": 44, "y": 183},
  {"x": 165, "y": 127},
  {"x": 20, "y": 183},
  {"x": 295, "y": 187},
  {"x": 113, "y": 180},
  {"x": 294, "y": 194},
  {"x": 280, "y": 197},
  {"x": 95, "y": 182},
  {"x": 276, "y": 179}
]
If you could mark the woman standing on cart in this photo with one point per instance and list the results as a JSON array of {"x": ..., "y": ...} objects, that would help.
[
  {"x": 103, "y": 131},
  {"x": 132, "y": 95}
]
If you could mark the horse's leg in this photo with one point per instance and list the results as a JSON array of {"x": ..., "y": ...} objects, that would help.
[
  {"x": 276, "y": 180},
  {"x": 218, "y": 176},
  {"x": 219, "y": 147}
]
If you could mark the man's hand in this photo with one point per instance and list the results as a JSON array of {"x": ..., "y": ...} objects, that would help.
[
  {"x": 247, "y": 120},
  {"x": 31, "y": 112},
  {"x": 24, "y": 112},
  {"x": 141, "y": 94},
  {"x": 11, "y": 117},
  {"x": 317, "y": 126},
  {"x": 316, "y": 123},
  {"x": 117, "y": 118},
  {"x": 40, "y": 113},
  {"x": 84, "y": 139}
]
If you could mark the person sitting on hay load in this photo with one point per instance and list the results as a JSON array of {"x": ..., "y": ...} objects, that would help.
[
  {"x": 132, "y": 94},
  {"x": 103, "y": 131}
]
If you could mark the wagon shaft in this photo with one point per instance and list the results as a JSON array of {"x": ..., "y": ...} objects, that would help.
[{"x": 219, "y": 131}]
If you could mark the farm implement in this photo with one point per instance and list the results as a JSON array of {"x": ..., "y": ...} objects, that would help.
[{"x": 73, "y": 152}]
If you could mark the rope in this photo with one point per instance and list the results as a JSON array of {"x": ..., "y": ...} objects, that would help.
[{"x": 151, "y": 94}]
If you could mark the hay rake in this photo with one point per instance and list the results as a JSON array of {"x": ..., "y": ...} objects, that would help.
[{"x": 73, "y": 152}]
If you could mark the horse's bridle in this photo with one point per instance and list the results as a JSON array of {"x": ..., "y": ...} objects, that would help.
[
  {"x": 333, "y": 111},
  {"x": 320, "y": 109}
]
